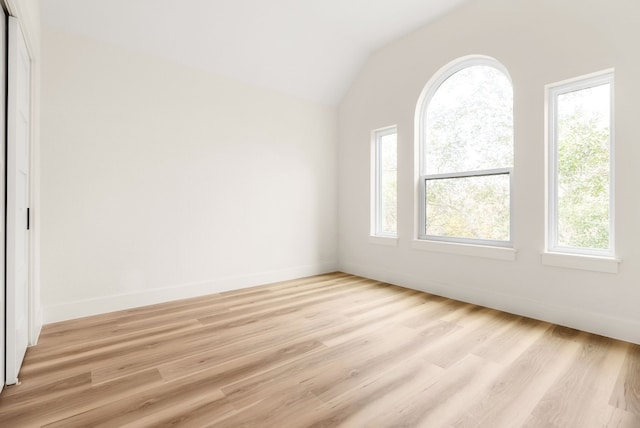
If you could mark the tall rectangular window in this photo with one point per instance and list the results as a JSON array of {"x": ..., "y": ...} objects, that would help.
[
  {"x": 385, "y": 179},
  {"x": 580, "y": 125}
]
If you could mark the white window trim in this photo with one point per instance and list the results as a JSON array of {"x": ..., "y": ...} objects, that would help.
[
  {"x": 376, "y": 235},
  {"x": 452, "y": 244},
  {"x": 464, "y": 249},
  {"x": 582, "y": 262},
  {"x": 554, "y": 254}
]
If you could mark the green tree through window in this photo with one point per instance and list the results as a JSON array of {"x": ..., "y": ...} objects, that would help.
[
  {"x": 467, "y": 149},
  {"x": 582, "y": 141},
  {"x": 385, "y": 179}
]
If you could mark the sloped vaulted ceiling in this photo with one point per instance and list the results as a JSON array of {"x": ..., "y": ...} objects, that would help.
[{"x": 306, "y": 48}]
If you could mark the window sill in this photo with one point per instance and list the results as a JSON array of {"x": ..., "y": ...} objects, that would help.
[
  {"x": 497, "y": 253},
  {"x": 578, "y": 261},
  {"x": 383, "y": 240}
]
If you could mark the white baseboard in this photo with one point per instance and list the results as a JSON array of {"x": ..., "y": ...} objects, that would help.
[
  {"x": 101, "y": 305},
  {"x": 598, "y": 323}
]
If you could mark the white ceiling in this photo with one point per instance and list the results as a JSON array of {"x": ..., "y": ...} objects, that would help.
[{"x": 307, "y": 48}]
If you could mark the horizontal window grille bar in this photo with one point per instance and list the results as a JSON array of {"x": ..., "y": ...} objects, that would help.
[
  {"x": 465, "y": 174},
  {"x": 468, "y": 241}
]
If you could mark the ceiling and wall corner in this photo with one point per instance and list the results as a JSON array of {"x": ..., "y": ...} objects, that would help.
[{"x": 305, "y": 48}]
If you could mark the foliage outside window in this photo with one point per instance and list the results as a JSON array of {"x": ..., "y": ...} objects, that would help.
[
  {"x": 466, "y": 141},
  {"x": 385, "y": 159},
  {"x": 580, "y": 181}
]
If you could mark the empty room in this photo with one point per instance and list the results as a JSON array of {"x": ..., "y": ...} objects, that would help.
[{"x": 338, "y": 213}]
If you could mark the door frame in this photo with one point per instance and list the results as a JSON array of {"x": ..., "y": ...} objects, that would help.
[
  {"x": 27, "y": 15},
  {"x": 18, "y": 200},
  {"x": 3, "y": 158}
]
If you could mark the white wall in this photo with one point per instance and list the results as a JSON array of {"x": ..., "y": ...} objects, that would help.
[
  {"x": 540, "y": 42},
  {"x": 161, "y": 182}
]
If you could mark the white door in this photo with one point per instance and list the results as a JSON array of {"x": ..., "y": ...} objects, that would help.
[
  {"x": 3, "y": 68},
  {"x": 18, "y": 125}
]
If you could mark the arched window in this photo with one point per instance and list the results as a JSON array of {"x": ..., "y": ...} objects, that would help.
[{"x": 465, "y": 118}]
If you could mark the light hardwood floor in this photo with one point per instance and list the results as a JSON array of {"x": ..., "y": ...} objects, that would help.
[{"x": 326, "y": 351}]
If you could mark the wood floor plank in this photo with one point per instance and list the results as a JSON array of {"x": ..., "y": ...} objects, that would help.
[
  {"x": 352, "y": 374},
  {"x": 276, "y": 410},
  {"x": 335, "y": 350},
  {"x": 280, "y": 379},
  {"x": 626, "y": 394},
  {"x": 439, "y": 309},
  {"x": 186, "y": 391},
  {"x": 516, "y": 391},
  {"x": 145, "y": 409},
  {"x": 289, "y": 305},
  {"x": 207, "y": 414},
  {"x": 15, "y": 397},
  {"x": 509, "y": 344},
  {"x": 38, "y": 412},
  {"x": 235, "y": 328},
  {"x": 451, "y": 392},
  {"x": 39, "y": 358},
  {"x": 248, "y": 336},
  {"x": 376, "y": 395},
  {"x": 69, "y": 365},
  {"x": 614, "y": 418},
  {"x": 589, "y": 379},
  {"x": 486, "y": 324}
]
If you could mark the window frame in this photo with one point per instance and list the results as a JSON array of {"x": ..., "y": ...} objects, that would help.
[
  {"x": 552, "y": 92},
  {"x": 429, "y": 91},
  {"x": 465, "y": 174},
  {"x": 376, "y": 182}
]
